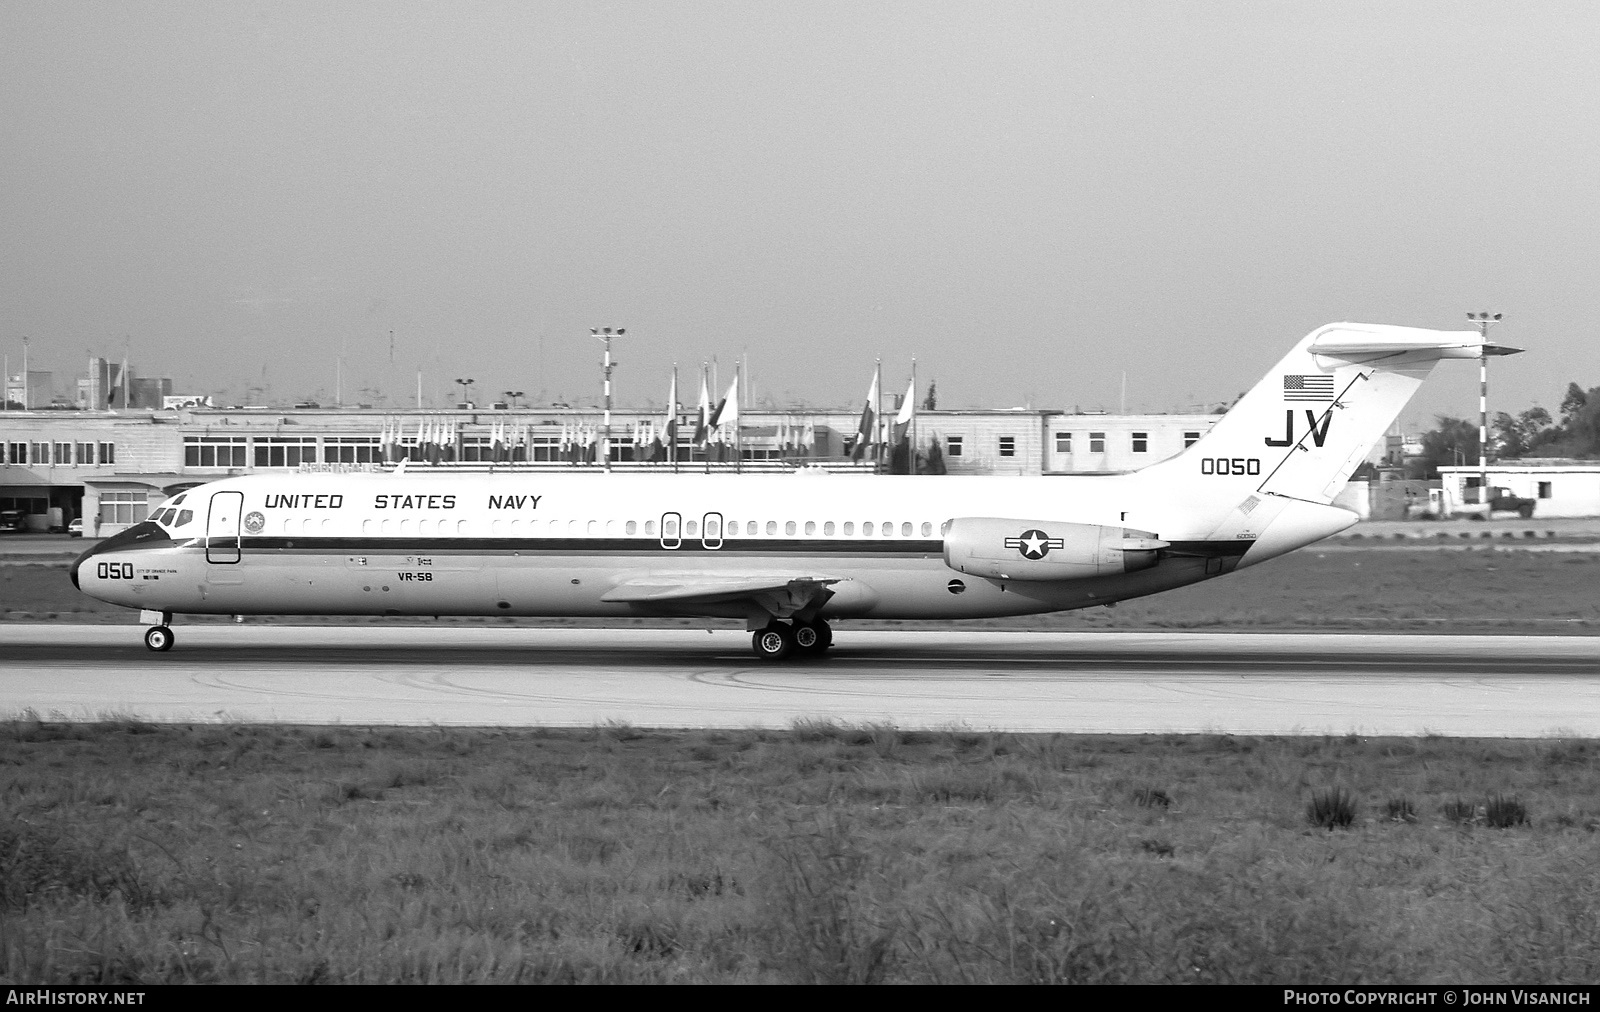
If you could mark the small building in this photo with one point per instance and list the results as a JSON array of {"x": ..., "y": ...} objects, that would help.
[{"x": 1559, "y": 488}]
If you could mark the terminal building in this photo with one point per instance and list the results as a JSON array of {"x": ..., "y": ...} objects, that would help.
[{"x": 109, "y": 467}]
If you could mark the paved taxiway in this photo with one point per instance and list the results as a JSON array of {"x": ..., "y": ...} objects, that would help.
[{"x": 1511, "y": 686}]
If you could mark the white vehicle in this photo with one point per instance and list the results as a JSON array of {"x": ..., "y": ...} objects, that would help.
[{"x": 788, "y": 554}]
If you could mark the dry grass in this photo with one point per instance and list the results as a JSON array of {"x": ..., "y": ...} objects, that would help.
[{"x": 135, "y": 853}]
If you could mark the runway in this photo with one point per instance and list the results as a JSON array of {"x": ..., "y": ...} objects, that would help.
[{"x": 1490, "y": 686}]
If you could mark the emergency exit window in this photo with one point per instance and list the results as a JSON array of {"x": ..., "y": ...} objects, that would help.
[{"x": 1544, "y": 490}]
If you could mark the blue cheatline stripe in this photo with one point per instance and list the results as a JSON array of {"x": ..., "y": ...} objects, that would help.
[{"x": 590, "y": 546}]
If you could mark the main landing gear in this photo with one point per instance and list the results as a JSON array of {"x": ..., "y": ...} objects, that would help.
[
  {"x": 158, "y": 637},
  {"x": 800, "y": 638}
]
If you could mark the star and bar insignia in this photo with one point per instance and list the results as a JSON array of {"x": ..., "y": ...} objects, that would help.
[{"x": 1034, "y": 544}]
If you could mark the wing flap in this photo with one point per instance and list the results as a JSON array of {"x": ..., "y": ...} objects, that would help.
[{"x": 710, "y": 589}]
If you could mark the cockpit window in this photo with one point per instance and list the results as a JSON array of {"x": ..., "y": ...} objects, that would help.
[
  {"x": 179, "y": 501},
  {"x": 184, "y": 517},
  {"x": 166, "y": 515}
]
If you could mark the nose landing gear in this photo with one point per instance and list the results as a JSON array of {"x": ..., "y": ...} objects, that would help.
[{"x": 158, "y": 637}]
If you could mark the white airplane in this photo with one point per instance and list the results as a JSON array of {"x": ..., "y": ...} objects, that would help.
[{"x": 786, "y": 553}]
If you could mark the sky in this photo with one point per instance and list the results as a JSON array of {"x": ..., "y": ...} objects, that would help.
[{"x": 1044, "y": 204}]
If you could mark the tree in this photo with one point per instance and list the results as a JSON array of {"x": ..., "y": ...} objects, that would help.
[
  {"x": 931, "y": 402},
  {"x": 1454, "y": 442},
  {"x": 1572, "y": 403}
]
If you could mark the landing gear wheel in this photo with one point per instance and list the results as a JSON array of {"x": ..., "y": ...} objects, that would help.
[
  {"x": 812, "y": 638},
  {"x": 772, "y": 643},
  {"x": 158, "y": 638}
]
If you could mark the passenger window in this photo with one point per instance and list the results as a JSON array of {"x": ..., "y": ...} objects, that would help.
[
  {"x": 811, "y": 527},
  {"x": 927, "y": 530},
  {"x": 772, "y": 526},
  {"x": 827, "y": 529},
  {"x": 788, "y": 528},
  {"x": 866, "y": 529},
  {"x": 693, "y": 527},
  {"x": 713, "y": 529},
  {"x": 849, "y": 528},
  {"x": 750, "y": 528},
  {"x": 592, "y": 528},
  {"x": 733, "y": 527},
  {"x": 633, "y": 527},
  {"x": 669, "y": 529},
  {"x": 905, "y": 530},
  {"x": 888, "y": 528},
  {"x": 650, "y": 528}
]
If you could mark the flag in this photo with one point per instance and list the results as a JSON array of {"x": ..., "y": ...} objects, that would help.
[
  {"x": 727, "y": 411},
  {"x": 702, "y": 422},
  {"x": 902, "y": 421},
  {"x": 869, "y": 418},
  {"x": 808, "y": 442}
]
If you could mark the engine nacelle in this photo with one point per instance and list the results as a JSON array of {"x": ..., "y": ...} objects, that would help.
[{"x": 1045, "y": 550}]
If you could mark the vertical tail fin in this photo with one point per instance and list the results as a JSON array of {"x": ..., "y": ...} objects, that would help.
[{"x": 1309, "y": 423}]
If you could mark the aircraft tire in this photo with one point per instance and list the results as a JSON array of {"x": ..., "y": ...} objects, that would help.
[
  {"x": 812, "y": 638},
  {"x": 158, "y": 638},
  {"x": 773, "y": 643}
]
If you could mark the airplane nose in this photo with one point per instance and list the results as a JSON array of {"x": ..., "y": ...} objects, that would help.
[{"x": 72, "y": 570}]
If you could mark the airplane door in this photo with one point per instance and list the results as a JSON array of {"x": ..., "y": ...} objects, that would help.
[
  {"x": 222, "y": 527},
  {"x": 671, "y": 535},
  {"x": 711, "y": 531}
]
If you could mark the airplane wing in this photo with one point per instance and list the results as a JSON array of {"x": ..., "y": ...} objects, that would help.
[{"x": 780, "y": 594}]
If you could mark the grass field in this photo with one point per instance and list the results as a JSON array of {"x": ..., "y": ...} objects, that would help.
[
  {"x": 135, "y": 853},
  {"x": 140, "y": 853},
  {"x": 1378, "y": 589}
]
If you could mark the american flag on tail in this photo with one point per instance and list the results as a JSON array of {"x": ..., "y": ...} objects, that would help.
[{"x": 1307, "y": 388}]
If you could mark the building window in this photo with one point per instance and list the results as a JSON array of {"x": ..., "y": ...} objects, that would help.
[
  {"x": 952, "y": 446},
  {"x": 1544, "y": 490},
  {"x": 354, "y": 450},
  {"x": 18, "y": 453},
  {"x": 214, "y": 451},
  {"x": 108, "y": 453},
  {"x": 291, "y": 451},
  {"x": 1141, "y": 442},
  {"x": 1063, "y": 442},
  {"x": 63, "y": 453},
  {"x": 1097, "y": 442},
  {"x": 123, "y": 507},
  {"x": 84, "y": 453},
  {"x": 1008, "y": 446},
  {"x": 1190, "y": 438}
]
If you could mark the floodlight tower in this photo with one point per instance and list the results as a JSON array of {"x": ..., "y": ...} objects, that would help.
[
  {"x": 604, "y": 335},
  {"x": 1484, "y": 321}
]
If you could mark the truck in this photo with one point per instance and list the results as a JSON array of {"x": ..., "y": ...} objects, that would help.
[{"x": 1441, "y": 505}]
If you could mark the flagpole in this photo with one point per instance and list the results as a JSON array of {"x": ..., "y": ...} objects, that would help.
[
  {"x": 738, "y": 427},
  {"x": 672, "y": 429},
  {"x": 877, "y": 422},
  {"x": 913, "y": 447}
]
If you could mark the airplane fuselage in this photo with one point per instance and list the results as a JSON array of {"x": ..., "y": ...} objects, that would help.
[{"x": 542, "y": 543}]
